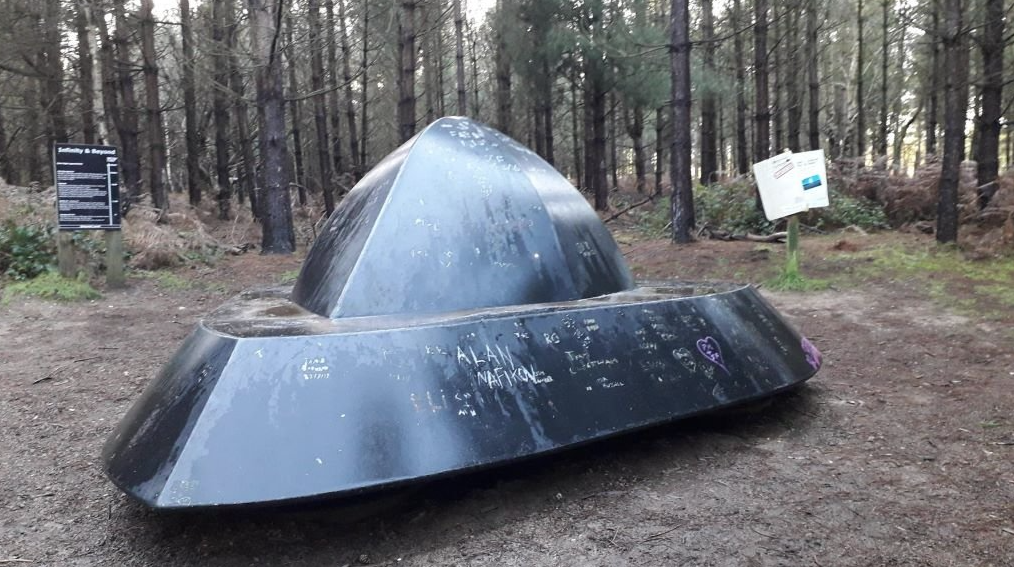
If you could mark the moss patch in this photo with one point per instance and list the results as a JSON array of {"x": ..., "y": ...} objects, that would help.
[{"x": 51, "y": 285}]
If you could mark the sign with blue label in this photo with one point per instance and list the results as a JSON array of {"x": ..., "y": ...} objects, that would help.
[
  {"x": 87, "y": 187},
  {"x": 792, "y": 183}
]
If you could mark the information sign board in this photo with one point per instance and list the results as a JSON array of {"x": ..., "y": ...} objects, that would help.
[
  {"x": 792, "y": 183},
  {"x": 87, "y": 187}
]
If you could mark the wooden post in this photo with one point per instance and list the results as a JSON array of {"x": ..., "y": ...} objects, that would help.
[
  {"x": 114, "y": 259},
  {"x": 65, "y": 254},
  {"x": 792, "y": 246}
]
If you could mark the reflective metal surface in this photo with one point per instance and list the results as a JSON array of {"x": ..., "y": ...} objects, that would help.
[{"x": 393, "y": 361}]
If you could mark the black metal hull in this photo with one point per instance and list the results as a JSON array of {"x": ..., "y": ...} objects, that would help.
[{"x": 268, "y": 403}]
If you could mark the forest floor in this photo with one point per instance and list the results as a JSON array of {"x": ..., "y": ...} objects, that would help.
[{"x": 899, "y": 452}]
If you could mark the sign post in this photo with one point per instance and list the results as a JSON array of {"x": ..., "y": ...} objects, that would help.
[
  {"x": 792, "y": 183},
  {"x": 88, "y": 198}
]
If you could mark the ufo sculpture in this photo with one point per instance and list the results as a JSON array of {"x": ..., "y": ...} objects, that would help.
[{"x": 464, "y": 307}]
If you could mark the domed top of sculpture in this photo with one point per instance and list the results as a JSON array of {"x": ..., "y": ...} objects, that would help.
[{"x": 460, "y": 217}]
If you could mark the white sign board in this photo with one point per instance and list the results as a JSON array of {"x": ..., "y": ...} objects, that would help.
[{"x": 792, "y": 183}]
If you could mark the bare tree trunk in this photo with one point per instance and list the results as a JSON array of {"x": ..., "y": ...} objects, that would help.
[
  {"x": 884, "y": 58},
  {"x": 613, "y": 134},
  {"x": 85, "y": 64},
  {"x": 127, "y": 122},
  {"x": 860, "y": 147},
  {"x": 762, "y": 110},
  {"x": 100, "y": 68},
  {"x": 955, "y": 107},
  {"x": 350, "y": 110},
  {"x": 51, "y": 65},
  {"x": 709, "y": 158},
  {"x": 276, "y": 220},
  {"x": 813, "y": 74},
  {"x": 679, "y": 174},
  {"x": 333, "y": 98},
  {"x": 777, "y": 108},
  {"x": 503, "y": 82},
  {"x": 190, "y": 109},
  {"x": 326, "y": 181},
  {"x": 900, "y": 131},
  {"x": 635, "y": 128},
  {"x": 6, "y": 167},
  {"x": 742, "y": 146},
  {"x": 933, "y": 112},
  {"x": 473, "y": 40},
  {"x": 247, "y": 178},
  {"x": 575, "y": 128},
  {"x": 406, "y": 78},
  {"x": 793, "y": 86},
  {"x": 991, "y": 45},
  {"x": 459, "y": 58},
  {"x": 429, "y": 63},
  {"x": 295, "y": 110},
  {"x": 156, "y": 133},
  {"x": 660, "y": 144},
  {"x": 364, "y": 84}
]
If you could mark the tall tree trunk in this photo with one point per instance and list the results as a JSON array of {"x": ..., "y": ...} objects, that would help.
[
  {"x": 85, "y": 65},
  {"x": 99, "y": 71},
  {"x": 575, "y": 129},
  {"x": 660, "y": 144},
  {"x": 955, "y": 107},
  {"x": 545, "y": 107},
  {"x": 459, "y": 59},
  {"x": 248, "y": 183},
  {"x": 884, "y": 59},
  {"x": 613, "y": 134},
  {"x": 6, "y": 167},
  {"x": 813, "y": 74},
  {"x": 220, "y": 109},
  {"x": 406, "y": 78},
  {"x": 51, "y": 64},
  {"x": 793, "y": 86},
  {"x": 991, "y": 45},
  {"x": 326, "y": 181},
  {"x": 709, "y": 157},
  {"x": 350, "y": 109},
  {"x": 295, "y": 110},
  {"x": 332, "y": 98},
  {"x": 933, "y": 111},
  {"x": 679, "y": 174},
  {"x": 501, "y": 62},
  {"x": 364, "y": 87},
  {"x": 900, "y": 131},
  {"x": 153, "y": 110},
  {"x": 742, "y": 145},
  {"x": 473, "y": 55},
  {"x": 127, "y": 123},
  {"x": 276, "y": 220},
  {"x": 429, "y": 63},
  {"x": 635, "y": 128},
  {"x": 777, "y": 107},
  {"x": 190, "y": 108},
  {"x": 595, "y": 136},
  {"x": 111, "y": 111},
  {"x": 860, "y": 147},
  {"x": 762, "y": 110}
]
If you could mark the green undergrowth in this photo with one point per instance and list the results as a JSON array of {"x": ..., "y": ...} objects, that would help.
[
  {"x": 51, "y": 285},
  {"x": 172, "y": 281},
  {"x": 977, "y": 287},
  {"x": 787, "y": 280},
  {"x": 288, "y": 277}
]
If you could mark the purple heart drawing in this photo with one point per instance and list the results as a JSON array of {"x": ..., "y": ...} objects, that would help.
[
  {"x": 813, "y": 356},
  {"x": 709, "y": 348}
]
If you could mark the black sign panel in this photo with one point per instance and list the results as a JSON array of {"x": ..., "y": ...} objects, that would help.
[{"x": 87, "y": 186}]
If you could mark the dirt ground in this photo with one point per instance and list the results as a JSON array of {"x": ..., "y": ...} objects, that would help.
[{"x": 899, "y": 452}]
